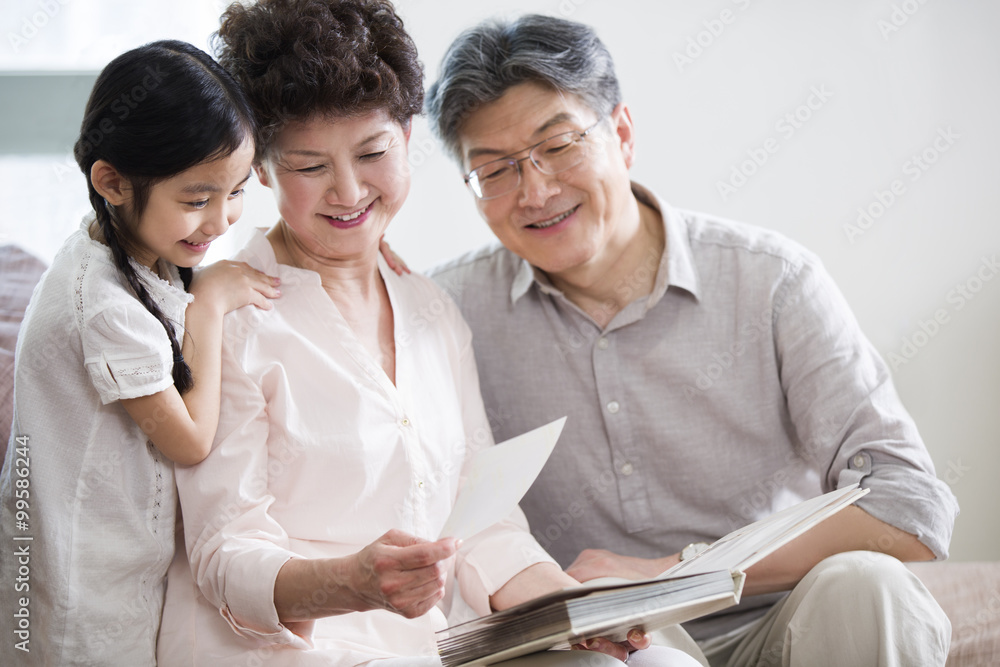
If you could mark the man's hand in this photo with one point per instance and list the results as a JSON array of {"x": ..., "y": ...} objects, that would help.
[
  {"x": 596, "y": 563},
  {"x": 394, "y": 261}
]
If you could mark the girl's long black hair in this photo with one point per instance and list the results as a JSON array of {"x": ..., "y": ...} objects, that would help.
[{"x": 156, "y": 111}]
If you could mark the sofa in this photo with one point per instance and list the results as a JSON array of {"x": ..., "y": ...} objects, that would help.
[
  {"x": 969, "y": 593},
  {"x": 19, "y": 272}
]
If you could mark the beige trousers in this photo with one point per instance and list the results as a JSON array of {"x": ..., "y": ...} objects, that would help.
[
  {"x": 858, "y": 608},
  {"x": 655, "y": 656}
]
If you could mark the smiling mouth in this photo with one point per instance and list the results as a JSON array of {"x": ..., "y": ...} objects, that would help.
[
  {"x": 198, "y": 246},
  {"x": 351, "y": 216},
  {"x": 554, "y": 221}
]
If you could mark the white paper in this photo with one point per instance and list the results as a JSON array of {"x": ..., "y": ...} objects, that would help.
[{"x": 498, "y": 477}]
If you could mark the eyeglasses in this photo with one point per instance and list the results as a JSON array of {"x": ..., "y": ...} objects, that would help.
[{"x": 551, "y": 156}]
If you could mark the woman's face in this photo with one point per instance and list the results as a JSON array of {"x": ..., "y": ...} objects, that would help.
[{"x": 338, "y": 181}]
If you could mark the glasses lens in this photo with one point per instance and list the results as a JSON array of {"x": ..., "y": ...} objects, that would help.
[
  {"x": 553, "y": 155},
  {"x": 494, "y": 178},
  {"x": 558, "y": 153}
]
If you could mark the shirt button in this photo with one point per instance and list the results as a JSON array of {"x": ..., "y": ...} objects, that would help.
[
  {"x": 602, "y": 343},
  {"x": 404, "y": 421},
  {"x": 627, "y": 469},
  {"x": 420, "y": 484},
  {"x": 859, "y": 461},
  {"x": 613, "y": 407}
]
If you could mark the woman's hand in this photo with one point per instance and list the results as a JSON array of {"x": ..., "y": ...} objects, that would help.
[
  {"x": 397, "y": 572},
  {"x": 637, "y": 640},
  {"x": 542, "y": 578},
  {"x": 232, "y": 285},
  {"x": 402, "y": 573}
]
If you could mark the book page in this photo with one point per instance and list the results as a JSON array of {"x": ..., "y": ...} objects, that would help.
[
  {"x": 498, "y": 478},
  {"x": 745, "y": 546}
]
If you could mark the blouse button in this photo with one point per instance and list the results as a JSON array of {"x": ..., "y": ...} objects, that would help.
[
  {"x": 404, "y": 421},
  {"x": 859, "y": 461},
  {"x": 613, "y": 407},
  {"x": 627, "y": 469},
  {"x": 602, "y": 343}
]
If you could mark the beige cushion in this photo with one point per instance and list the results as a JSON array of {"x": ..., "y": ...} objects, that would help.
[{"x": 970, "y": 594}]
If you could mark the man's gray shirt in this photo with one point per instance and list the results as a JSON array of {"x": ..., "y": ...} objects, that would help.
[{"x": 741, "y": 385}]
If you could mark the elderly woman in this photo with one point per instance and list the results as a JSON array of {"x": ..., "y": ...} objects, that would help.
[{"x": 349, "y": 409}]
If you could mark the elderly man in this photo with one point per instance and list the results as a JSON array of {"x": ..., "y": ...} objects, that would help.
[{"x": 711, "y": 371}]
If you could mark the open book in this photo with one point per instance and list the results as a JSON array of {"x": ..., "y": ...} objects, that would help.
[{"x": 708, "y": 582}]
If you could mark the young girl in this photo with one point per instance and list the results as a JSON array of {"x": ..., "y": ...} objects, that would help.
[{"x": 118, "y": 361}]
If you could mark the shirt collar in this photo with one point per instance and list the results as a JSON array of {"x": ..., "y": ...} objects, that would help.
[
  {"x": 259, "y": 253},
  {"x": 526, "y": 276},
  {"x": 676, "y": 268},
  {"x": 259, "y": 248},
  {"x": 677, "y": 263}
]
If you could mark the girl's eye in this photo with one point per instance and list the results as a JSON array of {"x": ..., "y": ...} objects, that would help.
[
  {"x": 236, "y": 193},
  {"x": 198, "y": 204}
]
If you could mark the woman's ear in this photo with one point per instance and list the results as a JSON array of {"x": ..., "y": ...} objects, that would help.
[{"x": 109, "y": 183}]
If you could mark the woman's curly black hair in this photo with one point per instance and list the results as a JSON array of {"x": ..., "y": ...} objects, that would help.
[{"x": 299, "y": 58}]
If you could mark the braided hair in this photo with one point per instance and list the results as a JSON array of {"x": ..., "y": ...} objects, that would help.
[{"x": 154, "y": 112}]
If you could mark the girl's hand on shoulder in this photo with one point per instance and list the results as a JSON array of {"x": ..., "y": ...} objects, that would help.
[{"x": 231, "y": 285}]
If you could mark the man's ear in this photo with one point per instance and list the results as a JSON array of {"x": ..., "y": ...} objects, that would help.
[
  {"x": 109, "y": 183},
  {"x": 621, "y": 119},
  {"x": 261, "y": 172}
]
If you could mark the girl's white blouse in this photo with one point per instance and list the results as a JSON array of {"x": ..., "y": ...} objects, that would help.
[
  {"x": 100, "y": 498},
  {"x": 317, "y": 455}
]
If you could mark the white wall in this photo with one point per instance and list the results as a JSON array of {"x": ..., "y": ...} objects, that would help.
[{"x": 895, "y": 75}]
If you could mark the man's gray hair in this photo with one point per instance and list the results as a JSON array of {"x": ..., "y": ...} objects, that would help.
[{"x": 487, "y": 60}]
